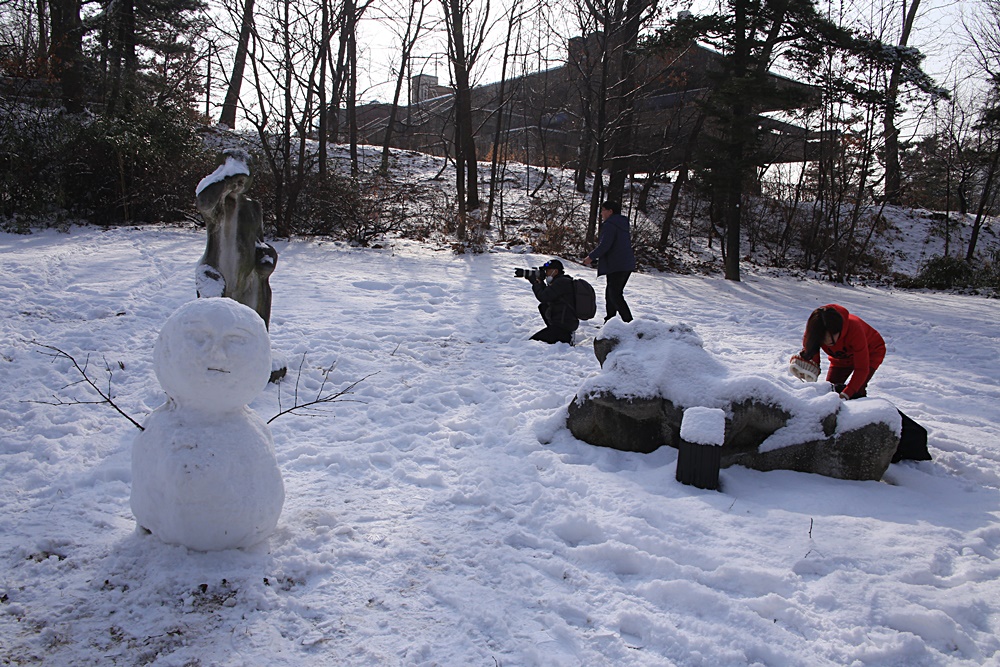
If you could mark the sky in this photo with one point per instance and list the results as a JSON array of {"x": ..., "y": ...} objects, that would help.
[{"x": 440, "y": 512}]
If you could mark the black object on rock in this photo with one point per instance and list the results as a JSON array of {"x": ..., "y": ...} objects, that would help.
[{"x": 698, "y": 465}]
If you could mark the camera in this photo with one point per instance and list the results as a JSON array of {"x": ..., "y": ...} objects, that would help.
[{"x": 537, "y": 273}]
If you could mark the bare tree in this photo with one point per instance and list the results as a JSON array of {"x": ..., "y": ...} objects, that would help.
[
  {"x": 24, "y": 37},
  {"x": 893, "y": 177},
  {"x": 324, "y": 63},
  {"x": 414, "y": 25},
  {"x": 591, "y": 68},
  {"x": 514, "y": 21},
  {"x": 985, "y": 36},
  {"x": 467, "y": 23},
  {"x": 285, "y": 57},
  {"x": 623, "y": 22}
]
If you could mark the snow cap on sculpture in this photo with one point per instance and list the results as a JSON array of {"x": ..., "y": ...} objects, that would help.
[
  {"x": 233, "y": 162},
  {"x": 204, "y": 473}
]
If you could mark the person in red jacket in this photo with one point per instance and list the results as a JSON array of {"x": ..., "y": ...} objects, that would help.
[{"x": 854, "y": 348}]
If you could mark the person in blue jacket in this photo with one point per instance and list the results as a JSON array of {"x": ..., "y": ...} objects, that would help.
[{"x": 616, "y": 259}]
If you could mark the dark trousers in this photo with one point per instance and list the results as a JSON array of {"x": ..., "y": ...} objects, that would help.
[
  {"x": 551, "y": 334},
  {"x": 614, "y": 296},
  {"x": 837, "y": 376}
]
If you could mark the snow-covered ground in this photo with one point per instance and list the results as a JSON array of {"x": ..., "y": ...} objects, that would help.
[{"x": 444, "y": 515}]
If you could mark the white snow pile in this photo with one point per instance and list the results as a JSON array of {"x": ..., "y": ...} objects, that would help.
[
  {"x": 208, "y": 282},
  {"x": 441, "y": 514},
  {"x": 704, "y": 426},
  {"x": 204, "y": 473},
  {"x": 653, "y": 358}
]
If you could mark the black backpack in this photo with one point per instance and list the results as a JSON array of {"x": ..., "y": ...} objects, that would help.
[
  {"x": 912, "y": 442},
  {"x": 586, "y": 300}
]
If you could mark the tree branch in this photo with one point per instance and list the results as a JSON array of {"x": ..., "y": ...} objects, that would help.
[
  {"x": 320, "y": 397},
  {"x": 56, "y": 353}
]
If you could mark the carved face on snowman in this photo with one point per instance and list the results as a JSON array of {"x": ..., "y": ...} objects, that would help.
[{"x": 213, "y": 355}]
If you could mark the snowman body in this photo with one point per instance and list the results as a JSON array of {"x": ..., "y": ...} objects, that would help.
[{"x": 204, "y": 472}]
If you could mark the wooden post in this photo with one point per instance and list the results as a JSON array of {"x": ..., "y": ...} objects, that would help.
[{"x": 703, "y": 431}]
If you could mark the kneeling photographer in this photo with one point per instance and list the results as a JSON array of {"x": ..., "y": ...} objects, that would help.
[{"x": 557, "y": 301}]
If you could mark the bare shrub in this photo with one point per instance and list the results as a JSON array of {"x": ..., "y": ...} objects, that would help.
[
  {"x": 356, "y": 210},
  {"x": 557, "y": 225}
]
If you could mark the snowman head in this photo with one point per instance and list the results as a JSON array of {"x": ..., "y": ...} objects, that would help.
[{"x": 213, "y": 354}]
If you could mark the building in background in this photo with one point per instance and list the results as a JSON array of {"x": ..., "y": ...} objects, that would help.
[{"x": 550, "y": 117}]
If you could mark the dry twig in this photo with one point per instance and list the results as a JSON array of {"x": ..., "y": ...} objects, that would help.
[
  {"x": 106, "y": 397},
  {"x": 320, "y": 397}
]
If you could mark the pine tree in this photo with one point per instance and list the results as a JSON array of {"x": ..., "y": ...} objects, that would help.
[
  {"x": 145, "y": 48},
  {"x": 751, "y": 38}
]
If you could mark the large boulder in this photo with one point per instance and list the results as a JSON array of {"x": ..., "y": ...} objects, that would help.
[
  {"x": 651, "y": 372},
  {"x": 863, "y": 453},
  {"x": 629, "y": 424}
]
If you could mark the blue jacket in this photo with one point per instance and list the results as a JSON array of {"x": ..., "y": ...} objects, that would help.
[{"x": 614, "y": 248}]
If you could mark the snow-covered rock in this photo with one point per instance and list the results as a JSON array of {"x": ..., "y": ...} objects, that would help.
[{"x": 653, "y": 372}]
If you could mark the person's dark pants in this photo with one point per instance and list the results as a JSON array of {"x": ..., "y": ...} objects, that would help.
[
  {"x": 614, "y": 296},
  {"x": 551, "y": 334},
  {"x": 837, "y": 375}
]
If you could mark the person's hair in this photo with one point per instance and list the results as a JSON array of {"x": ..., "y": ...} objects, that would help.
[
  {"x": 822, "y": 321},
  {"x": 612, "y": 206}
]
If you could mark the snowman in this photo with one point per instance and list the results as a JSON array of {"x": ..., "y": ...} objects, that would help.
[{"x": 204, "y": 474}]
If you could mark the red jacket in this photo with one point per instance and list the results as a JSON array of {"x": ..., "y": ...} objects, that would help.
[{"x": 859, "y": 347}]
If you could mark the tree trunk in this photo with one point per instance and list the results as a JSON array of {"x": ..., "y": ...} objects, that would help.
[
  {"x": 352, "y": 96},
  {"x": 583, "y": 165},
  {"x": 124, "y": 59},
  {"x": 339, "y": 75},
  {"x": 498, "y": 133},
  {"x": 469, "y": 146},
  {"x": 893, "y": 177},
  {"x": 682, "y": 176},
  {"x": 324, "y": 61},
  {"x": 228, "y": 115},
  {"x": 67, "y": 47},
  {"x": 983, "y": 202},
  {"x": 284, "y": 222},
  {"x": 414, "y": 23},
  {"x": 600, "y": 128},
  {"x": 625, "y": 49},
  {"x": 735, "y": 150},
  {"x": 42, "y": 51},
  {"x": 465, "y": 146}
]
